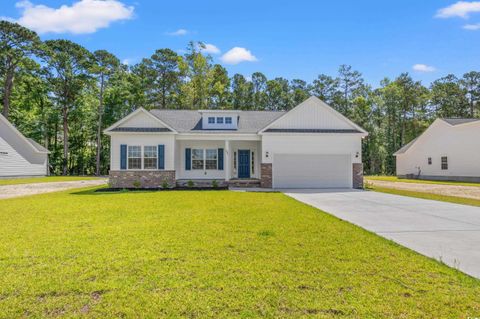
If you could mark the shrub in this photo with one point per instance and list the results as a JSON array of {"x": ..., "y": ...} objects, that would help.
[
  {"x": 214, "y": 183},
  {"x": 190, "y": 183},
  {"x": 137, "y": 184},
  {"x": 165, "y": 184}
]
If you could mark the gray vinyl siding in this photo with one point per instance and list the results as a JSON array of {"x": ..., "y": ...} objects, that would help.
[{"x": 17, "y": 158}]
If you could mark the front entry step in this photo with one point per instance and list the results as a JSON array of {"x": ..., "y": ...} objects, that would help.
[{"x": 244, "y": 183}]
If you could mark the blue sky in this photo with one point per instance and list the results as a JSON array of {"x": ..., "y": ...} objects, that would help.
[{"x": 293, "y": 39}]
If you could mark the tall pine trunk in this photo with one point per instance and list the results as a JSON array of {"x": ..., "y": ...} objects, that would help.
[
  {"x": 65, "y": 140},
  {"x": 7, "y": 89},
  {"x": 99, "y": 128}
]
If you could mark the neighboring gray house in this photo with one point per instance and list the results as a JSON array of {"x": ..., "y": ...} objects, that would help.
[
  {"x": 310, "y": 146},
  {"x": 20, "y": 156}
]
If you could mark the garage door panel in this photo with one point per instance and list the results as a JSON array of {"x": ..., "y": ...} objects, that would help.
[{"x": 311, "y": 171}]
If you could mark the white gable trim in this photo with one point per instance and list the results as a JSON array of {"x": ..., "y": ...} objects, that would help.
[
  {"x": 466, "y": 123},
  {"x": 22, "y": 137},
  {"x": 134, "y": 113},
  {"x": 322, "y": 104}
]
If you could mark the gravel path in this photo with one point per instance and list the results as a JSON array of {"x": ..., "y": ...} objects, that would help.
[
  {"x": 449, "y": 190},
  {"x": 9, "y": 191}
]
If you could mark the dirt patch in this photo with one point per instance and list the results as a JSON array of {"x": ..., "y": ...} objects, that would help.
[
  {"x": 448, "y": 190},
  {"x": 9, "y": 191}
]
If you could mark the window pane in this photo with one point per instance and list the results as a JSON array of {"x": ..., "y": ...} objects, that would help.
[
  {"x": 211, "y": 159},
  {"x": 228, "y": 120},
  {"x": 444, "y": 163},
  {"x": 134, "y": 163},
  {"x": 219, "y": 120},
  {"x": 197, "y": 159},
  {"x": 150, "y": 157},
  {"x": 134, "y": 157},
  {"x": 211, "y": 120}
]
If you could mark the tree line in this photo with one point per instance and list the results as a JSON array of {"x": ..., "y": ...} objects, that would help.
[{"x": 63, "y": 96}]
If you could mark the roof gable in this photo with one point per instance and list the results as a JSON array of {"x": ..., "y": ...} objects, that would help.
[
  {"x": 314, "y": 116},
  {"x": 30, "y": 143},
  {"x": 139, "y": 120},
  {"x": 433, "y": 130}
]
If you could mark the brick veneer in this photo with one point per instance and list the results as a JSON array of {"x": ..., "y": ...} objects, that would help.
[
  {"x": 357, "y": 170},
  {"x": 266, "y": 175},
  {"x": 145, "y": 179}
]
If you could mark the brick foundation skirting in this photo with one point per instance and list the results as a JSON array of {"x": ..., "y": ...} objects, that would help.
[
  {"x": 141, "y": 179},
  {"x": 266, "y": 175},
  {"x": 357, "y": 170}
]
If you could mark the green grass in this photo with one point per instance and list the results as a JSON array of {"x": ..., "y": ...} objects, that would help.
[
  {"x": 443, "y": 198},
  {"x": 48, "y": 179},
  {"x": 215, "y": 254},
  {"x": 418, "y": 181}
]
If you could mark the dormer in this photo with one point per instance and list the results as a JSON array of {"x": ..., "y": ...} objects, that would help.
[{"x": 219, "y": 119}]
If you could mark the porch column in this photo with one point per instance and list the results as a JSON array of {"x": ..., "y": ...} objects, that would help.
[{"x": 227, "y": 160}]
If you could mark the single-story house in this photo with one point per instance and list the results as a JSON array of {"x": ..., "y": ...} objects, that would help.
[
  {"x": 310, "y": 146},
  {"x": 20, "y": 156},
  {"x": 448, "y": 150}
]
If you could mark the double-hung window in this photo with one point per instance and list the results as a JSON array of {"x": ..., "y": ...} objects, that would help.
[
  {"x": 211, "y": 120},
  {"x": 429, "y": 161},
  {"x": 134, "y": 157},
  {"x": 228, "y": 120},
  {"x": 444, "y": 163},
  {"x": 219, "y": 120},
  {"x": 197, "y": 158},
  {"x": 204, "y": 159},
  {"x": 150, "y": 159},
  {"x": 211, "y": 159}
]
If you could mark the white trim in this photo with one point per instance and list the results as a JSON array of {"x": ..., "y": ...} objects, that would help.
[
  {"x": 19, "y": 134},
  {"x": 323, "y": 104},
  {"x": 129, "y": 116}
]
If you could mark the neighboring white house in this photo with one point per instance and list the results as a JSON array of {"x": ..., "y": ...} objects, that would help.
[
  {"x": 448, "y": 150},
  {"x": 310, "y": 146},
  {"x": 20, "y": 156}
]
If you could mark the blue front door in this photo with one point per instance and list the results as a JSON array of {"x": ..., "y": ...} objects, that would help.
[{"x": 243, "y": 163}]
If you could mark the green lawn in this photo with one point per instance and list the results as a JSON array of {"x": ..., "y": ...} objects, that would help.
[
  {"x": 210, "y": 254},
  {"x": 48, "y": 179},
  {"x": 418, "y": 181}
]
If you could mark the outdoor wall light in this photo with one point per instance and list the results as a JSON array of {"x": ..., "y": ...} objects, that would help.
[
  {"x": 267, "y": 154},
  {"x": 357, "y": 154}
]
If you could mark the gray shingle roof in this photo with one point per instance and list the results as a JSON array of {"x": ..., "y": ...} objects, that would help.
[
  {"x": 185, "y": 121},
  {"x": 290, "y": 130},
  {"x": 39, "y": 147},
  {"x": 405, "y": 147},
  {"x": 141, "y": 129},
  {"x": 458, "y": 121}
]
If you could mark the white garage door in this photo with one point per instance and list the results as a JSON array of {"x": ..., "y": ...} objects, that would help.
[{"x": 312, "y": 171}]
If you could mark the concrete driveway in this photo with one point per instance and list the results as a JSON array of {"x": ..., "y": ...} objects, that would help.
[{"x": 444, "y": 231}]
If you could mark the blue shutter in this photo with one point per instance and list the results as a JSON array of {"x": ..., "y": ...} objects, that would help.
[
  {"x": 161, "y": 156},
  {"x": 188, "y": 159},
  {"x": 220, "y": 159},
  {"x": 123, "y": 156}
]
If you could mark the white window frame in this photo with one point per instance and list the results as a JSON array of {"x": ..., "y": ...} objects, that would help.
[
  {"x": 228, "y": 120},
  {"x": 155, "y": 147},
  {"x": 220, "y": 120},
  {"x": 129, "y": 157},
  {"x": 446, "y": 163},
  {"x": 204, "y": 159},
  {"x": 211, "y": 118}
]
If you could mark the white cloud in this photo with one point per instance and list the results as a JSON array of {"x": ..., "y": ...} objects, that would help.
[
  {"x": 179, "y": 32},
  {"x": 460, "y": 9},
  {"x": 423, "y": 68},
  {"x": 84, "y": 16},
  {"x": 237, "y": 55},
  {"x": 210, "y": 48},
  {"x": 472, "y": 27}
]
